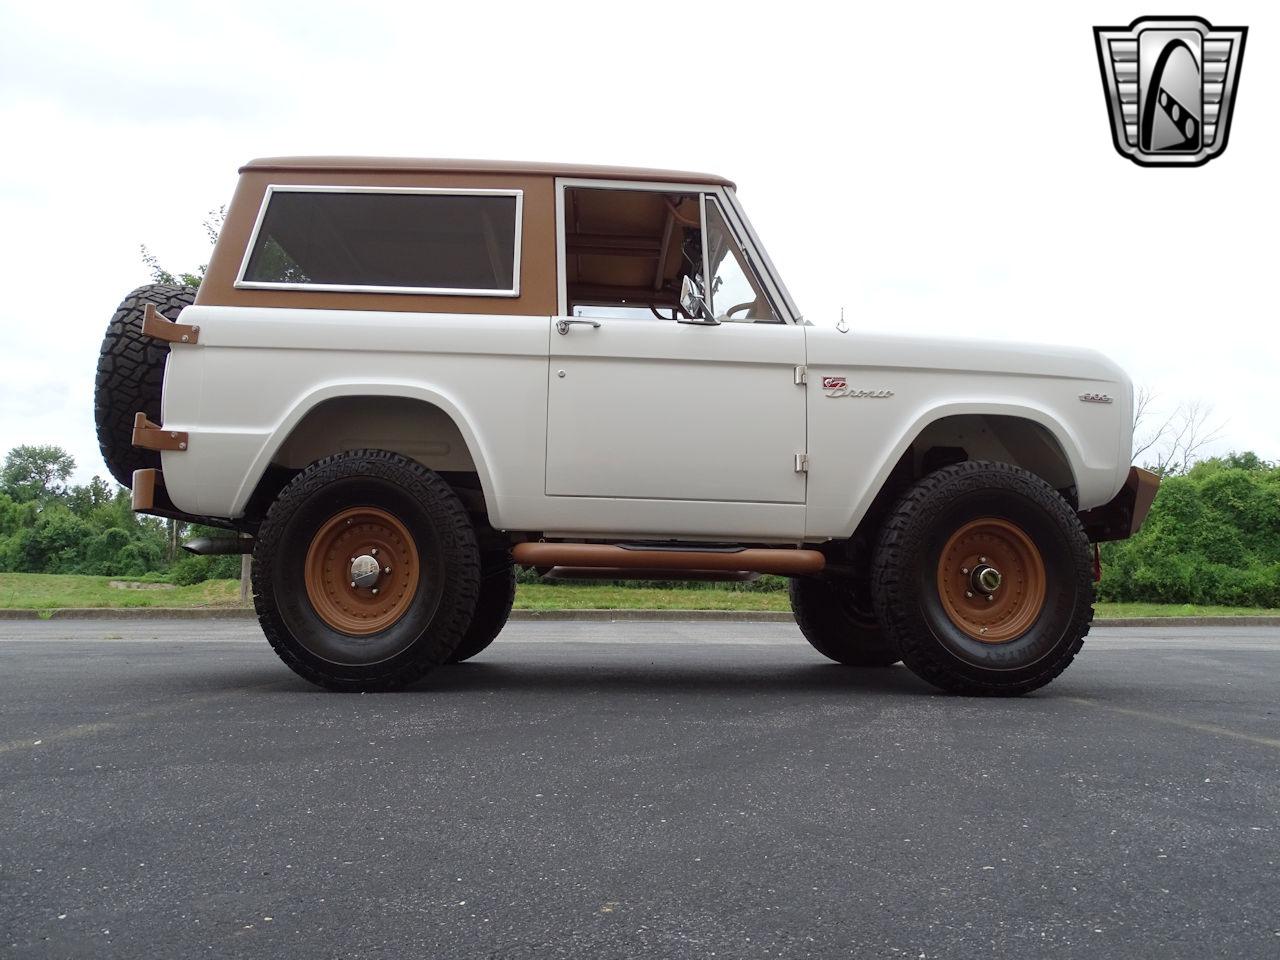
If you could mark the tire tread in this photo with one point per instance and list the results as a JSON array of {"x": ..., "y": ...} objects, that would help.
[
  {"x": 457, "y": 537},
  {"x": 908, "y": 523},
  {"x": 130, "y": 375}
]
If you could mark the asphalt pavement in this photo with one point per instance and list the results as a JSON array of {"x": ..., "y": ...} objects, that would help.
[{"x": 652, "y": 790}]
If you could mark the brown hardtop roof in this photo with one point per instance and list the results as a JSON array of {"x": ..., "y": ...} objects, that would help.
[{"x": 515, "y": 167}]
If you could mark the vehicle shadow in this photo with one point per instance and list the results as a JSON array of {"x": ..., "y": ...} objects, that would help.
[
  {"x": 581, "y": 677},
  {"x": 723, "y": 679}
]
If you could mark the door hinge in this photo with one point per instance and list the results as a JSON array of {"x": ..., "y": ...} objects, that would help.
[
  {"x": 802, "y": 463},
  {"x": 800, "y": 375}
]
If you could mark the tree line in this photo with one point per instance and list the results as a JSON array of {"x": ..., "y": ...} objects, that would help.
[
  {"x": 50, "y": 526},
  {"x": 1213, "y": 535}
]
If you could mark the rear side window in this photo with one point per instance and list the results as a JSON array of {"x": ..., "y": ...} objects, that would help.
[{"x": 460, "y": 242}]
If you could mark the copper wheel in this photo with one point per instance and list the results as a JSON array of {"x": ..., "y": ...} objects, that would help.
[
  {"x": 362, "y": 571},
  {"x": 991, "y": 580}
]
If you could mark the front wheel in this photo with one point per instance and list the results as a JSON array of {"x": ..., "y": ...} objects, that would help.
[
  {"x": 983, "y": 580},
  {"x": 365, "y": 572}
]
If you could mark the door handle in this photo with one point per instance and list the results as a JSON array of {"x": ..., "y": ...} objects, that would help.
[{"x": 562, "y": 326}]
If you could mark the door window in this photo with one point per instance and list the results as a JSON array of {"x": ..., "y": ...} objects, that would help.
[{"x": 627, "y": 254}]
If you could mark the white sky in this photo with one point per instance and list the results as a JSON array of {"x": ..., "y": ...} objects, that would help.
[{"x": 936, "y": 168}]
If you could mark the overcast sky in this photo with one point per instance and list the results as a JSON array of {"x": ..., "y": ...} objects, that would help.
[{"x": 935, "y": 168}]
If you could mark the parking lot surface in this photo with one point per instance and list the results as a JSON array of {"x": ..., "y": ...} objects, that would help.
[{"x": 597, "y": 790}]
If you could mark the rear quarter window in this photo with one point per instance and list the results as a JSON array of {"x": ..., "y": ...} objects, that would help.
[{"x": 386, "y": 241}]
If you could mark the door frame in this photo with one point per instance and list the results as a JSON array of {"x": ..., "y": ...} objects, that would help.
[{"x": 736, "y": 219}]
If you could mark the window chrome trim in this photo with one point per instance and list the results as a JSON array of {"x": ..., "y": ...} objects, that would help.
[
  {"x": 734, "y": 216},
  {"x": 706, "y": 260},
  {"x": 273, "y": 188}
]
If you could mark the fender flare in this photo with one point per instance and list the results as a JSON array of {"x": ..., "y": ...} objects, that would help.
[
  {"x": 337, "y": 389},
  {"x": 1020, "y": 410}
]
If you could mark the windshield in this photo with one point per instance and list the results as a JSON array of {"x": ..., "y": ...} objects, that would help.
[{"x": 735, "y": 293}]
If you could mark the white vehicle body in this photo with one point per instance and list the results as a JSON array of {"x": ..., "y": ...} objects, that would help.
[
  {"x": 654, "y": 430},
  {"x": 632, "y": 428}
]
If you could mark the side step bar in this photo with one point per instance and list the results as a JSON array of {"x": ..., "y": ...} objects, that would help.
[
  {"x": 556, "y": 574},
  {"x": 782, "y": 561}
]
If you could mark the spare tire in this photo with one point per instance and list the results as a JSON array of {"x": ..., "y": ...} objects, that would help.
[{"x": 130, "y": 375}]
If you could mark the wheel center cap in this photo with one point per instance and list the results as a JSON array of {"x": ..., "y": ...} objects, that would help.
[
  {"x": 986, "y": 578},
  {"x": 364, "y": 571}
]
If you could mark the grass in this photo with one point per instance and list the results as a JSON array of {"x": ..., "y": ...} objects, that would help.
[
  {"x": 1111, "y": 611},
  {"x": 44, "y": 591},
  {"x": 47, "y": 591},
  {"x": 549, "y": 596}
]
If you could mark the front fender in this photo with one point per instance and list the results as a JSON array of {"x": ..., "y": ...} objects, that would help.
[{"x": 852, "y": 456}]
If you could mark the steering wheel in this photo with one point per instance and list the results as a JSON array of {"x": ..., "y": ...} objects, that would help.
[{"x": 742, "y": 306}]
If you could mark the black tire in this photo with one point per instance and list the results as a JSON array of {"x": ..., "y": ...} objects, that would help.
[
  {"x": 130, "y": 374},
  {"x": 493, "y": 605},
  {"x": 906, "y": 577},
  {"x": 447, "y": 583},
  {"x": 839, "y": 622}
]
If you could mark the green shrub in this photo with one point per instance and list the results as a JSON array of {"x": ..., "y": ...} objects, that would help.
[
  {"x": 190, "y": 568},
  {"x": 767, "y": 583},
  {"x": 1212, "y": 537}
]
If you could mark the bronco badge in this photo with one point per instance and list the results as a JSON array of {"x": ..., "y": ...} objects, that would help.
[
  {"x": 1170, "y": 84},
  {"x": 839, "y": 387}
]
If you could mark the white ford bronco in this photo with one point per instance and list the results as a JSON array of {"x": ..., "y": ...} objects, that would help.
[{"x": 400, "y": 378}]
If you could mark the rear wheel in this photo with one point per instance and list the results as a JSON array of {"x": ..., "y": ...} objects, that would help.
[
  {"x": 493, "y": 605},
  {"x": 837, "y": 619},
  {"x": 365, "y": 572},
  {"x": 983, "y": 579}
]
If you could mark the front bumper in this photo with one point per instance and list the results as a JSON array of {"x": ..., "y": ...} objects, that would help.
[{"x": 1122, "y": 517}]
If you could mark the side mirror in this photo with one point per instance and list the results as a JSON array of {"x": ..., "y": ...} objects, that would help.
[{"x": 692, "y": 303}]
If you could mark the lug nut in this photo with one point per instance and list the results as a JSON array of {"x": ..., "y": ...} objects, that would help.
[
  {"x": 374, "y": 590},
  {"x": 990, "y": 597},
  {"x": 964, "y": 569},
  {"x": 373, "y": 551},
  {"x": 353, "y": 584},
  {"x": 968, "y": 593},
  {"x": 386, "y": 569},
  {"x": 982, "y": 559}
]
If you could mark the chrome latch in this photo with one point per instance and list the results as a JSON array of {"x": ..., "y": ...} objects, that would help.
[{"x": 562, "y": 326}]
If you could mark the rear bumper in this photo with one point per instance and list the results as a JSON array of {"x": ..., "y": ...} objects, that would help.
[
  {"x": 150, "y": 496},
  {"x": 1122, "y": 517}
]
